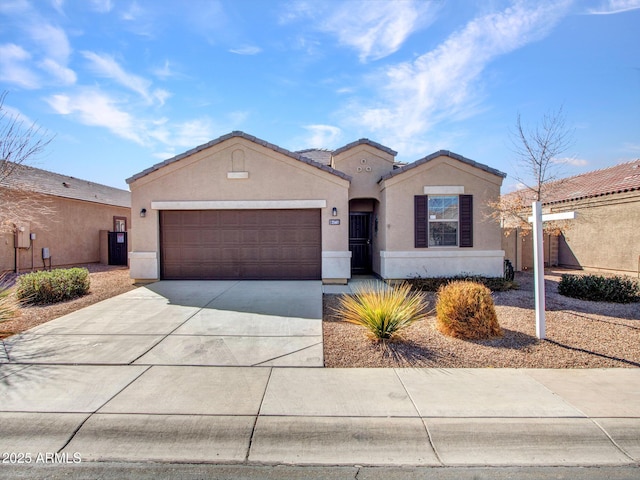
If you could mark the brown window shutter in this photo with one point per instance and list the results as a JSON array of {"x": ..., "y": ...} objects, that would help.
[
  {"x": 466, "y": 220},
  {"x": 421, "y": 224}
]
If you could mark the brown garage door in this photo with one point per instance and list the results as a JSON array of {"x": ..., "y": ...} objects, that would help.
[{"x": 240, "y": 244}]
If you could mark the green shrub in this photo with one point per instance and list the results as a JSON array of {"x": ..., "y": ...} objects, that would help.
[
  {"x": 384, "y": 311},
  {"x": 466, "y": 310},
  {"x": 55, "y": 286},
  {"x": 433, "y": 284},
  {"x": 600, "y": 289}
]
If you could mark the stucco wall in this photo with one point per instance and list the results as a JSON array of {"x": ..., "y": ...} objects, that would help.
[
  {"x": 365, "y": 164},
  {"x": 72, "y": 234},
  {"x": 269, "y": 176},
  {"x": 605, "y": 234},
  {"x": 402, "y": 258}
]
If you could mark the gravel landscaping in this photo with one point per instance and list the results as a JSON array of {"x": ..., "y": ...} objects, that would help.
[{"x": 580, "y": 334}]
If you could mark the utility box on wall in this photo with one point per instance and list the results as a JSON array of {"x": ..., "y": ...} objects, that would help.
[{"x": 22, "y": 238}]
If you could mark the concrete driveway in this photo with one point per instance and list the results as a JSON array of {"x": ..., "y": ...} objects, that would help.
[{"x": 222, "y": 323}]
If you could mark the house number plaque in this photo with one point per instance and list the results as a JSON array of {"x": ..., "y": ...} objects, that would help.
[{"x": 334, "y": 221}]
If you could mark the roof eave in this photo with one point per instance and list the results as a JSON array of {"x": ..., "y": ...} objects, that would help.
[
  {"x": 443, "y": 153},
  {"x": 237, "y": 134}
]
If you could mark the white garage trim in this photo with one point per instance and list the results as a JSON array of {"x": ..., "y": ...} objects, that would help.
[{"x": 238, "y": 204}]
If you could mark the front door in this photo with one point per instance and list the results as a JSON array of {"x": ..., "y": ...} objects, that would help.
[{"x": 360, "y": 242}]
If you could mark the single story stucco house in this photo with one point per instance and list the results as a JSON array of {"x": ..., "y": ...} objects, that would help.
[
  {"x": 242, "y": 208},
  {"x": 604, "y": 235},
  {"x": 66, "y": 217}
]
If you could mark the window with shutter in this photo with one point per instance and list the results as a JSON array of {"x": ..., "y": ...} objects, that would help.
[{"x": 443, "y": 221}]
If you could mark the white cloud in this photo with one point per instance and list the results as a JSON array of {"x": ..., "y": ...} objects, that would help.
[
  {"x": 58, "y": 5},
  {"x": 192, "y": 133},
  {"x": 106, "y": 66},
  {"x": 411, "y": 97},
  {"x": 574, "y": 162},
  {"x": 134, "y": 12},
  {"x": 377, "y": 30},
  {"x": 165, "y": 71},
  {"x": 164, "y": 155},
  {"x": 246, "y": 50},
  {"x": 102, "y": 6},
  {"x": 322, "y": 136},
  {"x": 47, "y": 45},
  {"x": 94, "y": 108},
  {"x": 14, "y": 67},
  {"x": 63, "y": 75},
  {"x": 615, "y": 6},
  {"x": 161, "y": 95},
  {"x": 51, "y": 39},
  {"x": 237, "y": 118},
  {"x": 374, "y": 29}
]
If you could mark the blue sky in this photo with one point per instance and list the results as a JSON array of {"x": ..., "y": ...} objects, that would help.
[{"x": 124, "y": 84}]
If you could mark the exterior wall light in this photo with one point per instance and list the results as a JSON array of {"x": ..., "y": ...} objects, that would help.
[
  {"x": 334, "y": 212},
  {"x": 143, "y": 212}
]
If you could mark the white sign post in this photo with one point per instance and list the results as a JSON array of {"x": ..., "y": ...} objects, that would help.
[
  {"x": 538, "y": 260},
  {"x": 538, "y": 269}
]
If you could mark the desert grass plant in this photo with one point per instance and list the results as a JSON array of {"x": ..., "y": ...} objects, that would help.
[
  {"x": 466, "y": 310},
  {"x": 383, "y": 310},
  {"x": 8, "y": 302},
  {"x": 38, "y": 288}
]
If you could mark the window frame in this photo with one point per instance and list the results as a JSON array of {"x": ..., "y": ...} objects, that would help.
[
  {"x": 464, "y": 233},
  {"x": 433, "y": 221}
]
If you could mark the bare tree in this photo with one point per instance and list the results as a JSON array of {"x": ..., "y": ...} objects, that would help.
[
  {"x": 538, "y": 151},
  {"x": 538, "y": 167},
  {"x": 19, "y": 144}
]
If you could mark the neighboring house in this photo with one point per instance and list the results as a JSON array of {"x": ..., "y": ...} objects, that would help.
[
  {"x": 606, "y": 232},
  {"x": 241, "y": 208},
  {"x": 60, "y": 213}
]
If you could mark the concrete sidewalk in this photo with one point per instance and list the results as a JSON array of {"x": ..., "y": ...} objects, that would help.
[
  {"x": 266, "y": 415},
  {"x": 118, "y": 382}
]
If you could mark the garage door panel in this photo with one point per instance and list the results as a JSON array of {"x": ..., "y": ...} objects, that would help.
[{"x": 241, "y": 244}]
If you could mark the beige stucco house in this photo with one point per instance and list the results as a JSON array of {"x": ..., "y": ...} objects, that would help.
[
  {"x": 604, "y": 236},
  {"x": 242, "y": 208},
  {"x": 67, "y": 216}
]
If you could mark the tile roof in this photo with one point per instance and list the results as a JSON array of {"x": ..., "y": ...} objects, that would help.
[
  {"x": 322, "y": 156},
  {"x": 617, "y": 179},
  {"x": 365, "y": 141},
  {"x": 442, "y": 153},
  {"x": 58, "y": 185},
  {"x": 238, "y": 134}
]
